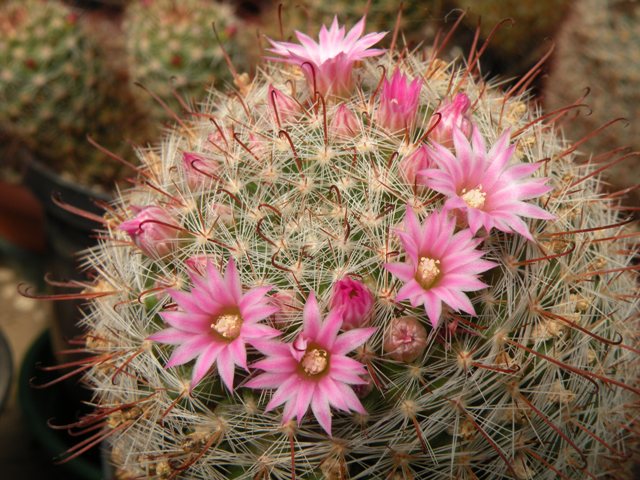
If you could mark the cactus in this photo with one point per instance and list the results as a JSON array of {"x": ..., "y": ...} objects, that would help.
[
  {"x": 597, "y": 49},
  {"x": 56, "y": 88},
  {"x": 171, "y": 42},
  {"x": 488, "y": 330}
]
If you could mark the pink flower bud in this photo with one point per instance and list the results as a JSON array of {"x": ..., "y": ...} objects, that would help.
[
  {"x": 356, "y": 302},
  {"x": 406, "y": 340},
  {"x": 221, "y": 213},
  {"x": 411, "y": 164},
  {"x": 283, "y": 107},
  {"x": 399, "y": 101},
  {"x": 344, "y": 123},
  {"x": 151, "y": 230},
  {"x": 452, "y": 114},
  {"x": 198, "y": 263},
  {"x": 288, "y": 306},
  {"x": 198, "y": 170}
]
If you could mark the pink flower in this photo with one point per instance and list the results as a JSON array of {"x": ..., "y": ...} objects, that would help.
[
  {"x": 413, "y": 163},
  {"x": 328, "y": 64},
  {"x": 355, "y": 300},
  {"x": 198, "y": 170},
  {"x": 406, "y": 339},
  {"x": 482, "y": 187},
  {"x": 344, "y": 123},
  {"x": 153, "y": 229},
  {"x": 398, "y": 102},
  {"x": 215, "y": 322},
  {"x": 314, "y": 370},
  {"x": 283, "y": 107},
  {"x": 452, "y": 114},
  {"x": 440, "y": 265}
]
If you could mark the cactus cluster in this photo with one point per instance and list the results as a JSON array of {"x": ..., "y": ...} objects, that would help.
[
  {"x": 172, "y": 45},
  {"x": 598, "y": 51},
  {"x": 56, "y": 87},
  {"x": 301, "y": 285}
]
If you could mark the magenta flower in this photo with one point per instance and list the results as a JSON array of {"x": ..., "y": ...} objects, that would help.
[
  {"x": 328, "y": 64},
  {"x": 153, "y": 230},
  {"x": 344, "y": 124},
  {"x": 482, "y": 187},
  {"x": 440, "y": 265},
  {"x": 399, "y": 101},
  {"x": 451, "y": 114},
  {"x": 314, "y": 370},
  {"x": 413, "y": 163},
  {"x": 283, "y": 107},
  {"x": 355, "y": 300},
  {"x": 215, "y": 323}
]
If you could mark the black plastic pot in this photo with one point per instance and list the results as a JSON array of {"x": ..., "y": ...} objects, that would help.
[{"x": 39, "y": 406}]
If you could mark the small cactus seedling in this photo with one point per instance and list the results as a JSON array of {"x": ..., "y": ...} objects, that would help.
[
  {"x": 363, "y": 265},
  {"x": 172, "y": 44},
  {"x": 56, "y": 88}
]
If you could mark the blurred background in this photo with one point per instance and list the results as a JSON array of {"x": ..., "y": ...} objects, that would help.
[{"x": 83, "y": 83}]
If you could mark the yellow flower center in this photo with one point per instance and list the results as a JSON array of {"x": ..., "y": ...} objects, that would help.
[
  {"x": 428, "y": 272},
  {"x": 475, "y": 197},
  {"x": 227, "y": 326},
  {"x": 315, "y": 361}
]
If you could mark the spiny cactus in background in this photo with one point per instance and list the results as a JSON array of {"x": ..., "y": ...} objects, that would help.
[
  {"x": 598, "y": 49},
  {"x": 56, "y": 88},
  {"x": 172, "y": 44},
  {"x": 418, "y": 21},
  {"x": 363, "y": 265},
  {"x": 522, "y": 43}
]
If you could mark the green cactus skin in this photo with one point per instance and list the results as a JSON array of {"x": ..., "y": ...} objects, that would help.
[
  {"x": 543, "y": 384},
  {"x": 598, "y": 49},
  {"x": 56, "y": 88},
  {"x": 172, "y": 43}
]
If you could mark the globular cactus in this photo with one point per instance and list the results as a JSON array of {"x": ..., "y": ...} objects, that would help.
[
  {"x": 172, "y": 44},
  {"x": 56, "y": 88},
  {"x": 598, "y": 50},
  {"x": 363, "y": 265}
]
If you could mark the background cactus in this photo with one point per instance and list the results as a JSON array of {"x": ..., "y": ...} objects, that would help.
[
  {"x": 598, "y": 49},
  {"x": 300, "y": 193},
  {"x": 56, "y": 88},
  {"x": 173, "y": 42}
]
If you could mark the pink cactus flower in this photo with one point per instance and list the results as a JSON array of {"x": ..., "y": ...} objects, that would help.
[
  {"x": 215, "y": 322},
  {"x": 314, "y": 370},
  {"x": 416, "y": 161},
  {"x": 283, "y": 107},
  {"x": 440, "y": 265},
  {"x": 399, "y": 100},
  {"x": 452, "y": 114},
  {"x": 482, "y": 187},
  {"x": 406, "y": 339},
  {"x": 153, "y": 230},
  {"x": 328, "y": 64},
  {"x": 344, "y": 123},
  {"x": 355, "y": 300},
  {"x": 198, "y": 170}
]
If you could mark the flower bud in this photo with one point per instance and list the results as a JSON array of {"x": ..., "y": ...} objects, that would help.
[
  {"x": 288, "y": 305},
  {"x": 452, "y": 114},
  {"x": 399, "y": 101},
  {"x": 356, "y": 302},
  {"x": 411, "y": 164},
  {"x": 151, "y": 230},
  {"x": 198, "y": 170},
  {"x": 406, "y": 340},
  {"x": 283, "y": 107},
  {"x": 344, "y": 124}
]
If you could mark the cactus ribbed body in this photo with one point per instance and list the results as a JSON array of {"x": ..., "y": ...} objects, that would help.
[
  {"x": 55, "y": 89},
  {"x": 173, "y": 43},
  {"x": 541, "y": 383}
]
